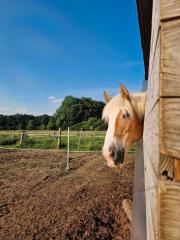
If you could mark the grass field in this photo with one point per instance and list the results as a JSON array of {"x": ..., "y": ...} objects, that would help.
[{"x": 79, "y": 141}]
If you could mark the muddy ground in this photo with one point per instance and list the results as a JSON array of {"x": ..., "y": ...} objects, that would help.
[{"x": 39, "y": 199}]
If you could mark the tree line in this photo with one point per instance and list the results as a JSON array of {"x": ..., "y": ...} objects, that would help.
[{"x": 76, "y": 113}]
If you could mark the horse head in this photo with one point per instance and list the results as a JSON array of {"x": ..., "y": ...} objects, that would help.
[{"x": 124, "y": 114}]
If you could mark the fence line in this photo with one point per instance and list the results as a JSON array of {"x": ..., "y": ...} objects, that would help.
[{"x": 79, "y": 142}]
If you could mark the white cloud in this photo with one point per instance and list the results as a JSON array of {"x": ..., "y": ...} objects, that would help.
[
  {"x": 11, "y": 110},
  {"x": 22, "y": 110},
  {"x": 3, "y": 110},
  {"x": 55, "y": 100}
]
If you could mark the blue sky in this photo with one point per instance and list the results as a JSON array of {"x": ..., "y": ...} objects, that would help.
[{"x": 53, "y": 48}]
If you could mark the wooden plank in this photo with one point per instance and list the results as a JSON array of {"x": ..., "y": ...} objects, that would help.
[
  {"x": 169, "y": 9},
  {"x": 151, "y": 162},
  {"x": 170, "y": 59},
  {"x": 150, "y": 224},
  {"x": 151, "y": 200},
  {"x": 153, "y": 82},
  {"x": 151, "y": 137},
  {"x": 139, "y": 214},
  {"x": 170, "y": 126},
  {"x": 154, "y": 34},
  {"x": 169, "y": 210}
]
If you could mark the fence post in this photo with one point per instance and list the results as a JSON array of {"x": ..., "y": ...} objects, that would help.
[
  {"x": 59, "y": 138},
  {"x": 54, "y": 134},
  {"x": 67, "y": 166},
  {"x": 21, "y": 138},
  {"x": 79, "y": 140}
]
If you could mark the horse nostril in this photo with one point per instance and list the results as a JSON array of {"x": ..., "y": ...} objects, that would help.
[
  {"x": 117, "y": 155},
  {"x": 112, "y": 151},
  {"x": 112, "y": 154}
]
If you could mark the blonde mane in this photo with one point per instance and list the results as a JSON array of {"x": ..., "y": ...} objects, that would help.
[{"x": 117, "y": 102}]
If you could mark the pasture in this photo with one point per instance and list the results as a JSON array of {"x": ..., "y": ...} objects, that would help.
[
  {"x": 41, "y": 200},
  {"x": 41, "y": 139}
]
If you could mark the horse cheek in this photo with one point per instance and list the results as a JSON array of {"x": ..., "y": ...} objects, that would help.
[{"x": 137, "y": 129}]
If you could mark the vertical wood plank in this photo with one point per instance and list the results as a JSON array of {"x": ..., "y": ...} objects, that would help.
[
  {"x": 151, "y": 138},
  {"x": 170, "y": 59},
  {"x": 153, "y": 81},
  {"x": 154, "y": 33},
  {"x": 170, "y": 126},
  {"x": 151, "y": 161},
  {"x": 169, "y": 210}
]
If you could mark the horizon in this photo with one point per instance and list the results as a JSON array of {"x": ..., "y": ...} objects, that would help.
[{"x": 52, "y": 49}]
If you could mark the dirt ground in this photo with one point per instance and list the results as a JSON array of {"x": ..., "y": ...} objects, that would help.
[{"x": 39, "y": 199}]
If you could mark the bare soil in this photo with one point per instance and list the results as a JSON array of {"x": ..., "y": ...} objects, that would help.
[{"x": 39, "y": 199}]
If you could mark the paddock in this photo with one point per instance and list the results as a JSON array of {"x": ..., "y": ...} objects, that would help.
[{"x": 41, "y": 200}]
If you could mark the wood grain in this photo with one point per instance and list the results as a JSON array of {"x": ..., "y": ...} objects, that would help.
[
  {"x": 151, "y": 138},
  {"x": 169, "y": 9},
  {"x": 153, "y": 82},
  {"x": 151, "y": 162},
  {"x": 170, "y": 59},
  {"x": 169, "y": 210},
  {"x": 177, "y": 170},
  {"x": 151, "y": 227},
  {"x": 154, "y": 34},
  {"x": 170, "y": 126},
  {"x": 166, "y": 166}
]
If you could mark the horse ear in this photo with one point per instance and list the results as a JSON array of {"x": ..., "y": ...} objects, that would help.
[
  {"x": 107, "y": 98},
  {"x": 124, "y": 92}
]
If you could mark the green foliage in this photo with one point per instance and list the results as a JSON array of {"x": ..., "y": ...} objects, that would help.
[
  {"x": 30, "y": 124},
  {"x": 23, "y": 121},
  {"x": 76, "y": 110},
  {"x": 51, "y": 124},
  {"x": 38, "y": 143},
  {"x": 91, "y": 124},
  {"x": 8, "y": 140}
]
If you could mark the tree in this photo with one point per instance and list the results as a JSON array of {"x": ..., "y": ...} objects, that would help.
[
  {"x": 72, "y": 112},
  {"x": 3, "y": 122},
  {"x": 51, "y": 124},
  {"x": 75, "y": 110},
  {"x": 90, "y": 124},
  {"x": 31, "y": 125}
]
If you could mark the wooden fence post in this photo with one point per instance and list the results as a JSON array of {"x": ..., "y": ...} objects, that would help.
[
  {"x": 21, "y": 138},
  {"x": 54, "y": 134},
  {"x": 59, "y": 138},
  {"x": 67, "y": 166}
]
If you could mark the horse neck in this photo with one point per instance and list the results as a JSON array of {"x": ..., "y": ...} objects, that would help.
[{"x": 138, "y": 102}]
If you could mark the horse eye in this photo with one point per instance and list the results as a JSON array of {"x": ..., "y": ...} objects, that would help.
[{"x": 126, "y": 115}]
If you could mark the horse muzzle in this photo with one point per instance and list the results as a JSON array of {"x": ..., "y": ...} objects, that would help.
[{"x": 117, "y": 154}]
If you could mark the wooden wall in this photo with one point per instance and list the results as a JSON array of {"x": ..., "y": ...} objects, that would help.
[{"x": 162, "y": 122}]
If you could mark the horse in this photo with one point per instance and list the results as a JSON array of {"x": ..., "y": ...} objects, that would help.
[{"x": 124, "y": 114}]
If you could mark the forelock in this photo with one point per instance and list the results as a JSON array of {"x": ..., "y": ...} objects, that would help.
[{"x": 114, "y": 106}]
